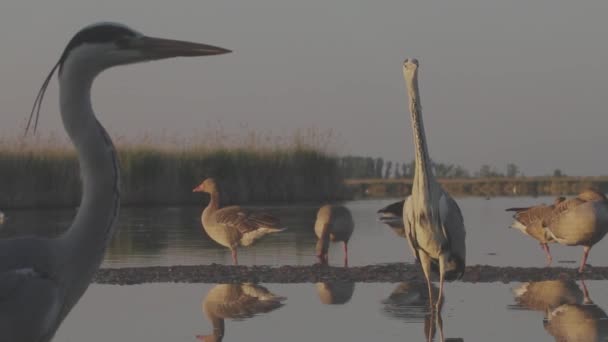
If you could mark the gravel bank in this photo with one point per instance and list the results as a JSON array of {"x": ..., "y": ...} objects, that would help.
[{"x": 395, "y": 272}]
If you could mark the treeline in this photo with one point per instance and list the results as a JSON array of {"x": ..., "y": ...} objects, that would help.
[{"x": 368, "y": 167}]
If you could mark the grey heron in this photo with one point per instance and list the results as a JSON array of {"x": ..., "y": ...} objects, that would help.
[
  {"x": 41, "y": 279},
  {"x": 233, "y": 226},
  {"x": 577, "y": 221},
  {"x": 334, "y": 223},
  {"x": 529, "y": 220},
  {"x": 433, "y": 221}
]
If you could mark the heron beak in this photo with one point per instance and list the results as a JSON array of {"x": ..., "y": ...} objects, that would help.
[{"x": 167, "y": 48}]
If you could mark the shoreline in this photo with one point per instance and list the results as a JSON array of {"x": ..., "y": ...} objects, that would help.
[{"x": 387, "y": 273}]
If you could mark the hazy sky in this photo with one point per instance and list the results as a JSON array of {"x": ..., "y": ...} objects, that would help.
[{"x": 512, "y": 81}]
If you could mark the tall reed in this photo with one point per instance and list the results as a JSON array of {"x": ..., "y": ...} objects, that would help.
[{"x": 257, "y": 168}]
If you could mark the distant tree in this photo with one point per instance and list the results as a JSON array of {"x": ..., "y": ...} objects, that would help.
[
  {"x": 387, "y": 171},
  {"x": 397, "y": 171},
  {"x": 378, "y": 168},
  {"x": 486, "y": 171},
  {"x": 404, "y": 172},
  {"x": 512, "y": 170},
  {"x": 558, "y": 173}
]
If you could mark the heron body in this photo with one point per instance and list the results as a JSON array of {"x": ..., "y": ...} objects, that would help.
[
  {"x": 233, "y": 226},
  {"x": 530, "y": 221},
  {"x": 41, "y": 279},
  {"x": 434, "y": 226},
  {"x": 334, "y": 223},
  {"x": 236, "y": 301},
  {"x": 578, "y": 221}
]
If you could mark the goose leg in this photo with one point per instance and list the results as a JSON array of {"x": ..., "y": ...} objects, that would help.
[
  {"x": 425, "y": 262},
  {"x": 586, "y": 299},
  {"x": 235, "y": 259},
  {"x": 586, "y": 250},
  {"x": 545, "y": 247},
  {"x": 345, "y": 254}
]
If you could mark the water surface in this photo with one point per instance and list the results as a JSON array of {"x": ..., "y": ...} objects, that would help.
[
  {"x": 173, "y": 312},
  {"x": 173, "y": 235}
]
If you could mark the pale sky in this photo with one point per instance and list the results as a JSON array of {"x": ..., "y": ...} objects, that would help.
[{"x": 523, "y": 81}]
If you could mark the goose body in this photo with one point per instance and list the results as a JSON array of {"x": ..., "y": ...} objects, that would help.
[
  {"x": 392, "y": 216},
  {"x": 334, "y": 223},
  {"x": 530, "y": 221},
  {"x": 236, "y": 301},
  {"x": 578, "y": 221},
  {"x": 233, "y": 226},
  {"x": 547, "y": 294},
  {"x": 335, "y": 292}
]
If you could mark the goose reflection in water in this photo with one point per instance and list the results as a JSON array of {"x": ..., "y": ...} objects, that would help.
[
  {"x": 335, "y": 292},
  {"x": 570, "y": 314},
  {"x": 409, "y": 302},
  {"x": 236, "y": 301}
]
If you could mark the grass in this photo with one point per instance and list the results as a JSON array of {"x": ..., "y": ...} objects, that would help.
[{"x": 253, "y": 168}]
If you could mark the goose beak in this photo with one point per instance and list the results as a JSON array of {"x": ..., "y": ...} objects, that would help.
[{"x": 158, "y": 48}]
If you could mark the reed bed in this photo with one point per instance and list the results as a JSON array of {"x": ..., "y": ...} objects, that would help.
[{"x": 43, "y": 172}]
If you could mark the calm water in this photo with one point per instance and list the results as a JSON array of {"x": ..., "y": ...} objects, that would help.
[
  {"x": 170, "y": 236},
  {"x": 361, "y": 312},
  {"x": 173, "y": 312}
]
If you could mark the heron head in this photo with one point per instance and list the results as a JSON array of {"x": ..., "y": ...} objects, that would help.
[
  {"x": 104, "y": 45},
  {"x": 410, "y": 64},
  {"x": 208, "y": 185},
  {"x": 100, "y": 46}
]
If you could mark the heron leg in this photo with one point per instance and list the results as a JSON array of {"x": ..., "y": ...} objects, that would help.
[
  {"x": 425, "y": 262},
  {"x": 586, "y": 250},
  {"x": 345, "y": 254},
  {"x": 440, "y": 325},
  {"x": 235, "y": 259},
  {"x": 545, "y": 247},
  {"x": 441, "y": 280}
]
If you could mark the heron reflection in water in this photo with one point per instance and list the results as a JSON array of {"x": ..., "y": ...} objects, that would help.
[{"x": 409, "y": 302}]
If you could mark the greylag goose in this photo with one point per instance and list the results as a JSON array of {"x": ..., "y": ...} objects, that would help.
[
  {"x": 334, "y": 223},
  {"x": 547, "y": 294},
  {"x": 578, "y": 221},
  {"x": 529, "y": 221},
  {"x": 335, "y": 292},
  {"x": 233, "y": 226},
  {"x": 392, "y": 216},
  {"x": 236, "y": 301},
  {"x": 584, "y": 322},
  {"x": 434, "y": 226}
]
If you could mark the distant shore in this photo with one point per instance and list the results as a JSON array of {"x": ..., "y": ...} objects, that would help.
[{"x": 485, "y": 187}]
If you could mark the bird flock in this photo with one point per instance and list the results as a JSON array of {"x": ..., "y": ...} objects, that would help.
[{"x": 41, "y": 279}]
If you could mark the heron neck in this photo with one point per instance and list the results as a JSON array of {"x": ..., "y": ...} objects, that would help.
[
  {"x": 423, "y": 174},
  {"x": 89, "y": 235}
]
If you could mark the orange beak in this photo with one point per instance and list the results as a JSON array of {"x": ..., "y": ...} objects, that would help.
[{"x": 199, "y": 188}]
